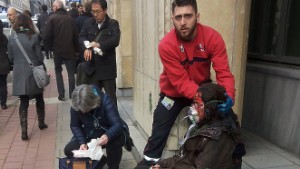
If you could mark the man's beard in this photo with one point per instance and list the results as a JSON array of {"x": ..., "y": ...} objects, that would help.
[{"x": 190, "y": 35}]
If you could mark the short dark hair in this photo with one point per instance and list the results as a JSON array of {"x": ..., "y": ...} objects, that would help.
[
  {"x": 44, "y": 8},
  {"x": 102, "y": 3},
  {"x": 79, "y": 5},
  {"x": 181, "y": 3},
  {"x": 212, "y": 95}
]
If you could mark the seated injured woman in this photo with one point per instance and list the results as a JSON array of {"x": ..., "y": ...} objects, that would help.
[{"x": 211, "y": 139}]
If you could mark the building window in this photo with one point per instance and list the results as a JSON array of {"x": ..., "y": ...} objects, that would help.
[{"x": 274, "y": 34}]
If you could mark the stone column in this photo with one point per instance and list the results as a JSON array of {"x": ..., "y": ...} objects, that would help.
[{"x": 121, "y": 11}]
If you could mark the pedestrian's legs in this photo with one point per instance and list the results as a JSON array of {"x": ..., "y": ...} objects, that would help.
[
  {"x": 3, "y": 90},
  {"x": 71, "y": 69},
  {"x": 114, "y": 152},
  {"x": 110, "y": 89},
  {"x": 163, "y": 121},
  {"x": 40, "y": 109},
  {"x": 23, "y": 111},
  {"x": 59, "y": 78}
]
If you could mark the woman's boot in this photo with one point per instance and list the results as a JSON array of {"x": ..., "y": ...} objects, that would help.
[
  {"x": 40, "y": 109},
  {"x": 23, "y": 122}
]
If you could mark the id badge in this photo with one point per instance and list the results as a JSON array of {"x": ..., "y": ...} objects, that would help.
[{"x": 167, "y": 102}]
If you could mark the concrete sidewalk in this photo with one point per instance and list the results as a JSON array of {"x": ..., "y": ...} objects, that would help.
[{"x": 43, "y": 148}]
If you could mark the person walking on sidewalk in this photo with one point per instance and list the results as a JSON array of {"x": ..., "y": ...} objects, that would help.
[
  {"x": 24, "y": 84},
  {"x": 12, "y": 15},
  {"x": 41, "y": 23},
  {"x": 4, "y": 68},
  {"x": 103, "y": 33},
  {"x": 187, "y": 53},
  {"x": 94, "y": 115},
  {"x": 61, "y": 35}
]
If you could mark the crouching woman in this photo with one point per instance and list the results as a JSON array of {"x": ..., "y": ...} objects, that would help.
[{"x": 95, "y": 115}]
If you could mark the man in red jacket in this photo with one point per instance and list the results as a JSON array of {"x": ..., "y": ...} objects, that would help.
[{"x": 187, "y": 52}]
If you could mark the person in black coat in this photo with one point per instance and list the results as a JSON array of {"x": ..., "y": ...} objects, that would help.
[
  {"x": 62, "y": 36},
  {"x": 41, "y": 23},
  {"x": 94, "y": 115},
  {"x": 103, "y": 33},
  {"x": 4, "y": 67},
  {"x": 73, "y": 12},
  {"x": 80, "y": 20},
  {"x": 85, "y": 16}
]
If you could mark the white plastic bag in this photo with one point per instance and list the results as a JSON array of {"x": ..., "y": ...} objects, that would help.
[
  {"x": 94, "y": 152},
  {"x": 96, "y": 50}
]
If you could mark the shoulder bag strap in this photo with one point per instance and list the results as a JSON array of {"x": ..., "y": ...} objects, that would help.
[
  {"x": 98, "y": 36},
  {"x": 101, "y": 32},
  {"x": 22, "y": 50}
]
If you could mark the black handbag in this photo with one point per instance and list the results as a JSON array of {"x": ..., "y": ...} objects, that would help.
[
  {"x": 85, "y": 71},
  {"x": 81, "y": 163}
]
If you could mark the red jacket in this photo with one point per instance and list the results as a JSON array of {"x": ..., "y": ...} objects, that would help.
[{"x": 186, "y": 65}]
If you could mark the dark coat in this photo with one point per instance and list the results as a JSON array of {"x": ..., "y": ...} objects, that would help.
[
  {"x": 4, "y": 61},
  {"x": 209, "y": 146},
  {"x": 105, "y": 66},
  {"x": 23, "y": 80},
  {"x": 81, "y": 19},
  {"x": 61, "y": 35},
  {"x": 73, "y": 13},
  {"x": 42, "y": 20},
  {"x": 109, "y": 120}
]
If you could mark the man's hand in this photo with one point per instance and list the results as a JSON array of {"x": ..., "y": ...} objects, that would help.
[
  {"x": 83, "y": 147},
  {"x": 225, "y": 106},
  {"x": 103, "y": 140},
  {"x": 87, "y": 55}
]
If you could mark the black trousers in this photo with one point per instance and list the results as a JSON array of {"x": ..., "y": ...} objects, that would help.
[
  {"x": 163, "y": 120},
  {"x": 71, "y": 68},
  {"x": 25, "y": 101},
  {"x": 113, "y": 150},
  {"x": 3, "y": 89},
  {"x": 109, "y": 87}
]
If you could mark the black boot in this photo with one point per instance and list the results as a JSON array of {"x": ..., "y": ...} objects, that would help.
[
  {"x": 23, "y": 122},
  {"x": 40, "y": 109}
]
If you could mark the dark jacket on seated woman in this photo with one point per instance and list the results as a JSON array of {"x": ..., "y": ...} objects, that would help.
[
  {"x": 94, "y": 115},
  {"x": 108, "y": 117},
  {"x": 211, "y": 142}
]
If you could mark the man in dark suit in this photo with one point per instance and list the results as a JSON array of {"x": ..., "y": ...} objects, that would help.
[{"x": 103, "y": 34}]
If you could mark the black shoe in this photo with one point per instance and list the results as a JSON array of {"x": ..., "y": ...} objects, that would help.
[
  {"x": 43, "y": 126},
  {"x": 24, "y": 135},
  {"x": 61, "y": 98},
  {"x": 3, "y": 107}
]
